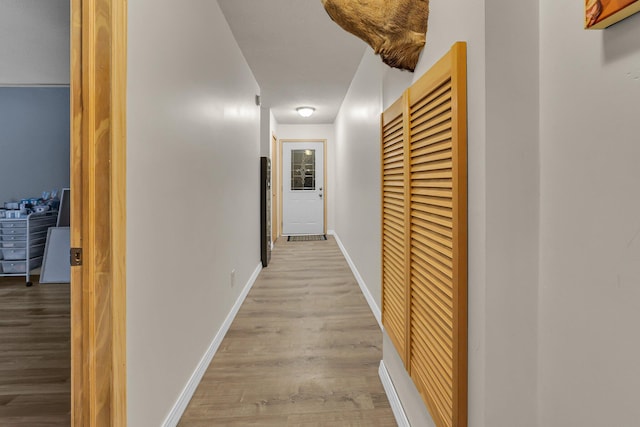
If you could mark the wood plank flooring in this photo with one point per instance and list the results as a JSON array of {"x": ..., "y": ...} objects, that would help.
[
  {"x": 35, "y": 354},
  {"x": 304, "y": 350}
]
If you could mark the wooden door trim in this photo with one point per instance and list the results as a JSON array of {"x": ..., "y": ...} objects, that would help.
[
  {"x": 324, "y": 178},
  {"x": 98, "y": 213},
  {"x": 275, "y": 162}
]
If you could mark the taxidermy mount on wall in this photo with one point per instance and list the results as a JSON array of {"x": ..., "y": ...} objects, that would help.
[{"x": 395, "y": 29}]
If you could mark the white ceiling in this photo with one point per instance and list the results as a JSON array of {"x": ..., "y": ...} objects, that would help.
[{"x": 298, "y": 55}]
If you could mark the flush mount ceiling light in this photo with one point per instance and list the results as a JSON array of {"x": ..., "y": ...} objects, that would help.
[{"x": 305, "y": 111}]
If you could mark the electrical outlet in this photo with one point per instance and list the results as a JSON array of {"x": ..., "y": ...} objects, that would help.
[{"x": 233, "y": 278}]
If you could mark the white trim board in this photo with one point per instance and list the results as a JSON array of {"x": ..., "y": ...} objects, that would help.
[
  {"x": 363, "y": 286},
  {"x": 187, "y": 393},
  {"x": 392, "y": 395}
]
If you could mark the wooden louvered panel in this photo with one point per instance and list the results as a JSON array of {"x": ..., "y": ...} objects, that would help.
[
  {"x": 445, "y": 215},
  {"x": 430, "y": 270},
  {"x": 394, "y": 227},
  {"x": 395, "y": 253},
  {"x": 442, "y": 250},
  {"x": 393, "y": 213},
  {"x": 438, "y": 175},
  {"x": 424, "y": 232},
  {"x": 392, "y": 200},
  {"x": 433, "y": 143},
  {"x": 438, "y": 220},
  {"x": 393, "y": 144},
  {"x": 429, "y": 130},
  {"x": 392, "y": 183},
  {"x": 434, "y": 156},
  {"x": 395, "y": 230},
  {"x": 390, "y": 159},
  {"x": 437, "y": 242},
  {"x": 423, "y": 251},
  {"x": 394, "y": 297},
  {"x": 429, "y": 356},
  {"x": 433, "y": 165},
  {"x": 393, "y": 150},
  {"x": 434, "y": 353},
  {"x": 426, "y": 123},
  {"x": 426, "y": 375},
  {"x": 446, "y": 232},
  {"x": 437, "y": 203},
  {"x": 394, "y": 126},
  {"x": 393, "y": 247},
  {"x": 393, "y": 136},
  {"x": 433, "y": 102},
  {"x": 441, "y": 92},
  {"x": 442, "y": 202},
  {"x": 427, "y": 190},
  {"x": 438, "y": 299},
  {"x": 441, "y": 147}
]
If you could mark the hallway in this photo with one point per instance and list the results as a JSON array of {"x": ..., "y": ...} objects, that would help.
[{"x": 303, "y": 350}]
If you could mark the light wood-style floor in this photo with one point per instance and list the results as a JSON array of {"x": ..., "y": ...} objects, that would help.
[
  {"x": 304, "y": 350},
  {"x": 35, "y": 354}
]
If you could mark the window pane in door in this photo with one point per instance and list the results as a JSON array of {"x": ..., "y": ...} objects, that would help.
[{"x": 303, "y": 169}]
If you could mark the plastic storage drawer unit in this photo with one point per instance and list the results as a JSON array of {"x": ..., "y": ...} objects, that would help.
[
  {"x": 14, "y": 267},
  {"x": 13, "y": 224},
  {"x": 12, "y": 237},
  {"x": 14, "y": 231},
  {"x": 12, "y": 254}
]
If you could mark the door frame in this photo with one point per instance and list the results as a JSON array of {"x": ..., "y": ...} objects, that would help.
[
  {"x": 98, "y": 212},
  {"x": 324, "y": 178},
  {"x": 275, "y": 188}
]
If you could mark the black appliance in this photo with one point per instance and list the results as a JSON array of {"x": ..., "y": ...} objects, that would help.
[{"x": 265, "y": 210}]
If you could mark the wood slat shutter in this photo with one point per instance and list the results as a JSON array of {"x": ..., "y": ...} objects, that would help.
[
  {"x": 434, "y": 221},
  {"x": 394, "y": 225}
]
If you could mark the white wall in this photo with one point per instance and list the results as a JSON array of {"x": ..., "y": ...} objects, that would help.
[
  {"x": 358, "y": 171},
  {"x": 273, "y": 126},
  {"x": 265, "y": 131},
  {"x": 34, "y": 141},
  {"x": 34, "y": 121},
  {"x": 589, "y": 220},
  {"x": 318, "y": 132},
  {"x": 34, "y": 42},
  {"x": 512, "y": 194},
  {"x": 192, "y": 193}
]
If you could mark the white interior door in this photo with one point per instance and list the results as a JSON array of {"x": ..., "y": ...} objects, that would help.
[{"x": 302, "y": 188}]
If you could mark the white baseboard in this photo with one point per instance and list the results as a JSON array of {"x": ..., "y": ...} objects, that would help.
[
  {"x": 187, "y": 393},
  {"x": 363, "y": 286},
  {"x": 392, "y": 395}
]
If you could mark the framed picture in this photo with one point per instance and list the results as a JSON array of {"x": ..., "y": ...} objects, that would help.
[{"x": 604, "y": 13}]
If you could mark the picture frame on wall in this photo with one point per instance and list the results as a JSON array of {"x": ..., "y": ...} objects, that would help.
[{"x": 601, "y": 14}]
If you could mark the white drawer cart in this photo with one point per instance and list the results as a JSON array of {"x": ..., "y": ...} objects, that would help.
[{"x": 22, "y": 242}]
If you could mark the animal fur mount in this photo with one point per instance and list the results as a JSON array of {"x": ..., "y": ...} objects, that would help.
[{"x": 395, "y": 29}]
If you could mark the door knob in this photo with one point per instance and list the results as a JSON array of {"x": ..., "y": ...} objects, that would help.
[{"x": 320, "y": 195}]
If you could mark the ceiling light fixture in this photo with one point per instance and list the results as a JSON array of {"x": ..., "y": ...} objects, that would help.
[{"x": 305, "y": 111}]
